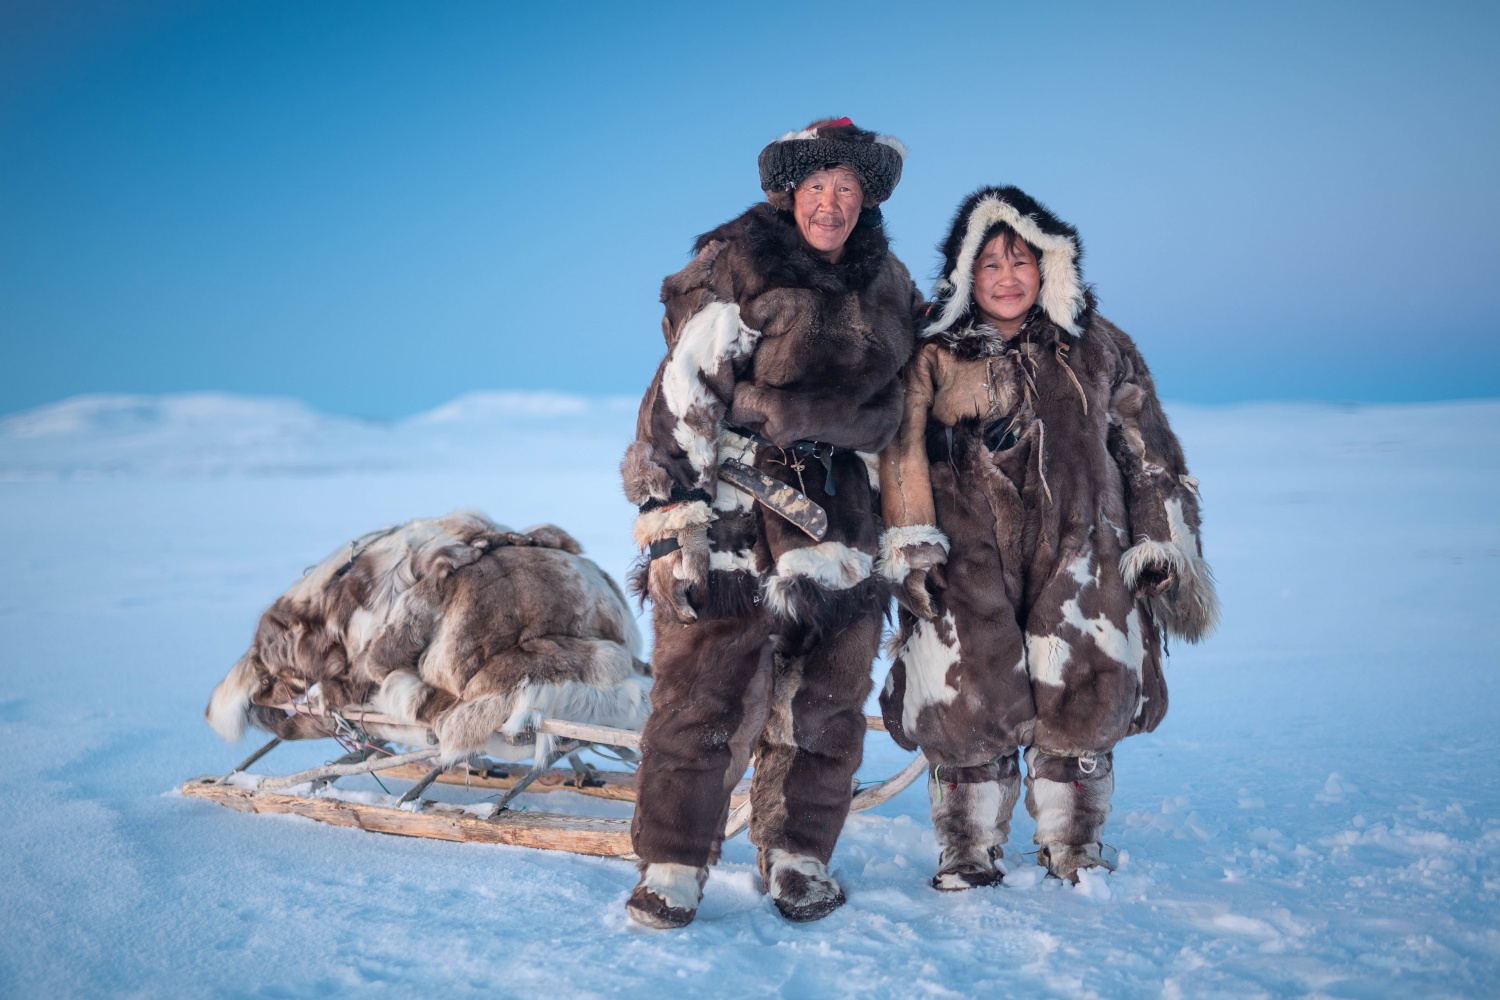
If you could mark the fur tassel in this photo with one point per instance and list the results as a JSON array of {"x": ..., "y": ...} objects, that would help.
[
  {"x": 894, "y": 561},
  {"x": 228, "y": 710}
]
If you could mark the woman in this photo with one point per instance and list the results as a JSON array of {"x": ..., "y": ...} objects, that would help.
[{"x": 1042, "y": 530}]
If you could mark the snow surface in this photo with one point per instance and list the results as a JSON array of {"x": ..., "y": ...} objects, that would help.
[{"x": 1317, "y": 816}]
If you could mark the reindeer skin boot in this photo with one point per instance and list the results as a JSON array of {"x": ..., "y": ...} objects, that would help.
[
  {"x": 1069, "y": 799},
  {"x": 799, "y": 885},
  {"x": 667, "y": 895},
  {"x": 971, "y": 820}
]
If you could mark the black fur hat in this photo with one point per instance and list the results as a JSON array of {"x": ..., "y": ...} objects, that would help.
[{"x": 876, "y": 158}]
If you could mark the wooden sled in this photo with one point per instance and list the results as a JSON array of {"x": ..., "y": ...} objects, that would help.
[{"x": 411, "y": 815}]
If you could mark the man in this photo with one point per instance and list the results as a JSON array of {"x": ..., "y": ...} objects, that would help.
[{"x": 785, "y": 336}]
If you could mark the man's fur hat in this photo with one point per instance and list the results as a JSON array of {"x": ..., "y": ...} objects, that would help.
[{"x": 876, "y": 158}]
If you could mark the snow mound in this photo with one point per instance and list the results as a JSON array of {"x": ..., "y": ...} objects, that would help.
[{"x": 214, "y": 434}]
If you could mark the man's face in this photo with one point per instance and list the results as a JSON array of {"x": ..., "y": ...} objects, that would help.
[{"x": 826, "y": 206}]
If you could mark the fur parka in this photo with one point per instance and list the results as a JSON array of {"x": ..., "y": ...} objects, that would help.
[
  {"x": 455, "y": 625},
  {"x": 1046, "y": 468},
  {"x": 765, "y": 336}
]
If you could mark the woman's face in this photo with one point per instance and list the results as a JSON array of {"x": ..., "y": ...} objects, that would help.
[{"x": 1006, "y": 284}]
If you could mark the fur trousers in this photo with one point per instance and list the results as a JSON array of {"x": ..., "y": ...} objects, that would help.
[{"x": 790, "y": 694}]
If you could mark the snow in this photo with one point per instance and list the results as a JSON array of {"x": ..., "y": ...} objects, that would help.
[{"x": 1319, "y": 815}]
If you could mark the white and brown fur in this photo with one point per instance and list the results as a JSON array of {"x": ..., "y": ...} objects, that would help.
[
  {"x": 765, "y": 335},
  {"x": 1048, "y": 628},
  {"x": 456, "y": 625}
]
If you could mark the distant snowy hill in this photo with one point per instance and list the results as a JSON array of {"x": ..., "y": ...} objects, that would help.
[
  {"x": 213, "y": 434},
  {"x": 1319, "y": 814}
]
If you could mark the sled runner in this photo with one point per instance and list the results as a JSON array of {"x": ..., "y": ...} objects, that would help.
[{"x": 493, "y": 818}]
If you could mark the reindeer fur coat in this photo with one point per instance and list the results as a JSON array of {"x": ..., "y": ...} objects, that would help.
[
  {"x": 765, "y": 336},
  {"x": 1046, "y": 467}
]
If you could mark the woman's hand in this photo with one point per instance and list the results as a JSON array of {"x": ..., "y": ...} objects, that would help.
[
  {"x": 922, "y": 559},
  {"x": 671, "y": 575},
  {"x": 913, "y": 595},
  {"x": 1154, "y": 581}
]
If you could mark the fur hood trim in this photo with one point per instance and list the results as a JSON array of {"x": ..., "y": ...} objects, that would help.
[
  {"x": 780, "y": 255},
  {"x": 1063, "y": 296}
]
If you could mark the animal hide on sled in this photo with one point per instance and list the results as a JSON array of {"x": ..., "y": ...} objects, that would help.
[{"x": 457, "y": 626}]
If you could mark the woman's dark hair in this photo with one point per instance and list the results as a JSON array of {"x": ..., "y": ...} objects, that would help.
[{"x": 1011, "y": 239}]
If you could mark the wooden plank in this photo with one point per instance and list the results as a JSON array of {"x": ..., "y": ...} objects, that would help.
[
  {"x": 617, "y": 785},
  {"x": 582, "y": 732},
  {"x": 354, "y": 767},
  {"x": 598, "y": 835}
]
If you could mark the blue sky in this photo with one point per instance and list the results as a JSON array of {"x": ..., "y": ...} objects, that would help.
[{"x": 379, "y": 206}]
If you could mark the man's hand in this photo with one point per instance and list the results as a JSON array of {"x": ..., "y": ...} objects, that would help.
[{"x": 671, "y": 575}]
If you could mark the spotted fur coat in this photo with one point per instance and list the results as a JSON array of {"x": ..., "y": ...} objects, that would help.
[{"x": 1047, "y": 468}]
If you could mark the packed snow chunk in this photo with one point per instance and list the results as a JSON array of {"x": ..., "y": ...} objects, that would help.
[
  {"x": 1025, "y": 877},
  {"x": 1093, "y": 884}
]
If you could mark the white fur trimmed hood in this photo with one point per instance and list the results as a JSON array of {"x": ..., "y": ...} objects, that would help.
[{"x": 1063, "y": 297}]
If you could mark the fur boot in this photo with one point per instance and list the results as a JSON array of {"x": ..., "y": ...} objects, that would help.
[
  {"x": 1069, "y": 799},
  {"x": 799, "y": 885},
  {"x": 667, "y": 896},
  {"x": 971, "y": 819}
]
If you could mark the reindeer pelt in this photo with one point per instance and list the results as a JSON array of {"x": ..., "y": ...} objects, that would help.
[{"x": 455, "y": 625}]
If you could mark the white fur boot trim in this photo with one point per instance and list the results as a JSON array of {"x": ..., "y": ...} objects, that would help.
[
  {"x": 667, "y": 895},
  {"x": 800, "y": 886}
]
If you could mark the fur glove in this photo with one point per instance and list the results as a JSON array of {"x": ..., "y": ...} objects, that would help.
[{"x": 671, "y": 575}]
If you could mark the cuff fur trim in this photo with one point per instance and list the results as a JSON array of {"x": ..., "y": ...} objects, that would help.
[
  {"x": 666, "y": 522},
  {"x": 895, "y": 560},
  {"x": 1190, "y": 609}
]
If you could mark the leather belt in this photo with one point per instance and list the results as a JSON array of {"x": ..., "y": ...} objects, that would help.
[{"x": 820, "y": 450}]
